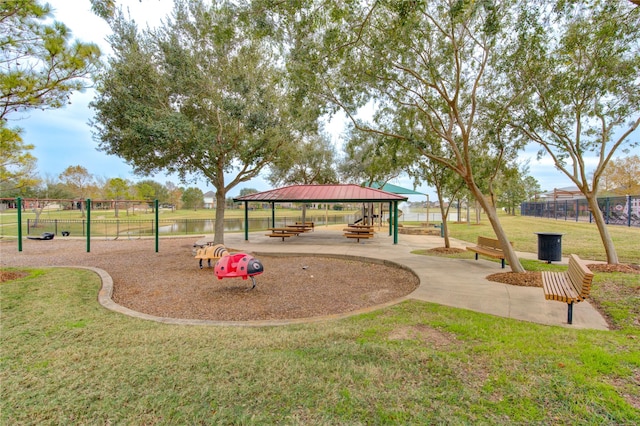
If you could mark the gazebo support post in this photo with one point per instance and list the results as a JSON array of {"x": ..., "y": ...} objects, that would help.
[
  {"x": 395, "y": 223},
  {"x": 246, "y": 221},
  {"x": 390, "y": 219},
  {"x": 273, "y": 214}
]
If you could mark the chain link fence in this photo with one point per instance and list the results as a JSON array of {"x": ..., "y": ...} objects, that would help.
[{"x": 624, "y": 210}]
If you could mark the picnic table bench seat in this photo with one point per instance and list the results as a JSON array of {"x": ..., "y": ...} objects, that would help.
[
  {"x": 571, "y": 286},
  {"x": 359, "y": 233},
  {"x": 488, "y": 247},
  {"x": 284, "y": 232},
  {"x": 307, "y": 226}
]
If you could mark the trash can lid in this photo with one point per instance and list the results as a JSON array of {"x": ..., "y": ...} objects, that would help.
[{"x": 548, "y": 233}]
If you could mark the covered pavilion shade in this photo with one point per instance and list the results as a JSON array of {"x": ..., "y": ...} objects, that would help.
[
  {"x": 326, "y": 194},
  {"x": 395, "y": 189},
  {"x": 323, "y": 193}
]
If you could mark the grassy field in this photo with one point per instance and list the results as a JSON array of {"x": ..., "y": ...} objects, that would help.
[
  {"x": 66, "y": 360},
  {"x": 582, "y": 239}
]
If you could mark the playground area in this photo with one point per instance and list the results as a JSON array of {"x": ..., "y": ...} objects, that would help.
[{"x": 170, "y": 284}]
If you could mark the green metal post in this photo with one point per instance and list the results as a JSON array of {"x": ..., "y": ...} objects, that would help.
[
  {"x": 19, "y": 205},
  {"x": 390, "y": 219},
  {"x": 395, "y": 223},
  {"x": 273, "y": 215},
  {"x": 246, "y": 221},
  {"x": 157, "y": 225},
  {"x": 88, "y": 225}
]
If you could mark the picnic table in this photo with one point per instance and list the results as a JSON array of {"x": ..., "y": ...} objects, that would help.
[
  {"x": 301, "y": 226},
  {"x": 284, "y": 232},
  {"x": 358, "y": 232}
]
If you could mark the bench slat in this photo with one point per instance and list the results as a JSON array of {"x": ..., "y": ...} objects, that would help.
[{"x": 570, "y": 286}]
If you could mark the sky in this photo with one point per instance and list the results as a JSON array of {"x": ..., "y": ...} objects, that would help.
[{"x": 63, "y": 137}]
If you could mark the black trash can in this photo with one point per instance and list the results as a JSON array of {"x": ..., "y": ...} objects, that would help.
[{"x": 549, "y": 246}]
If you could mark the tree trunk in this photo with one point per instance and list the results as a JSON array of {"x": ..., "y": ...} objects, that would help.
[
  {"x": 507, "y": 248},
  {"x": 607, "y": 242},
  {"x": 445, "y": 226},
  {"x": 218, "y": 237},
  {"x": 443, "y": 214}
]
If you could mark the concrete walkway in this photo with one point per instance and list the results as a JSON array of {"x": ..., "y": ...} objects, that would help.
[{"x": 458, "y": 283}]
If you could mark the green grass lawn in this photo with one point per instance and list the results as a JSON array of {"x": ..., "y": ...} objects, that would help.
[
  {"x": 66, "y": 360},
  {"x": 582, "y": 239}
]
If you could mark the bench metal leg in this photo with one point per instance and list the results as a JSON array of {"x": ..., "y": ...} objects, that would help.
[
  {"x": 476, "y": 256},
  {"x": 570, "y": 313},
  {"x": 502, "y": 263}
]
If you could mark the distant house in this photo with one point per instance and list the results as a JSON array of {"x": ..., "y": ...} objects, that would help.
[
  {"x": 567, "y": 193},
  {"x": 210, "y": 200}
]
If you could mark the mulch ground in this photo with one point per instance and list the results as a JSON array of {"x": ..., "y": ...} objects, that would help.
[{"x": 534, "y": 279}]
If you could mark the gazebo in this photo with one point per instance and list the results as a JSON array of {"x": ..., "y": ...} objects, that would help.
[{"x": 324, "y": 194}]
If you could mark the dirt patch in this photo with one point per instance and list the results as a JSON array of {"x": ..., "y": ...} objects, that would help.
[
  {"x": 170, "y": 284},
  {"x": 444, "y": 251},
  {"x": 603, "y": 267},
  {"x": 525, "y": 279},
  {"x": 534, "y": 279},
  {"x": 424, "y": 333},
  {"x": 11, "y": 275}
]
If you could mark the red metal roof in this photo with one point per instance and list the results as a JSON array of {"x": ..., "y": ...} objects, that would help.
[{"x": 324, "y": 193}]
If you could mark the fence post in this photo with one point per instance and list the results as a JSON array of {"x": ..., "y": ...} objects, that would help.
[
  {"x": 19, "y": 205},
  {"x": 628, "y": 210},
  {"x": 88, "y": 225},
  {"x": 157, "y": 225}
]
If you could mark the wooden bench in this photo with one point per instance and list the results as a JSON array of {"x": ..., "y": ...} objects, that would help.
[
  {"x": 280, "y": 235},
  {"x": 571, "y": 287},
  {"x": 359, "y": 237},
  {"x": 489, "y": 247}
]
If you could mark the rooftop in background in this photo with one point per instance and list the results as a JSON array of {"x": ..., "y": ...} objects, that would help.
[
  {"x": 323, "y": 193},
  {"x": 395, "y": 189}
]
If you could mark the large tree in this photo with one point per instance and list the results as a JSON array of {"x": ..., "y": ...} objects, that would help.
[
  {"x": 372, "y": 158},
  {"x": 622, "y": 176},
  {"x": 78, "y": 181},
  {"x": 310, "y": 161},
  {"x": 202, "y": 96},
  {"x": 17, "y": 165},
  {"x": 579, "y": 62},
  {"x": 438, "y": 59},
  {"x": 192, "y": 198},
  {"x": 117, "y": 189},
  {"x": 40, "y": 67},
  {"x": 447, "y": 185}
]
